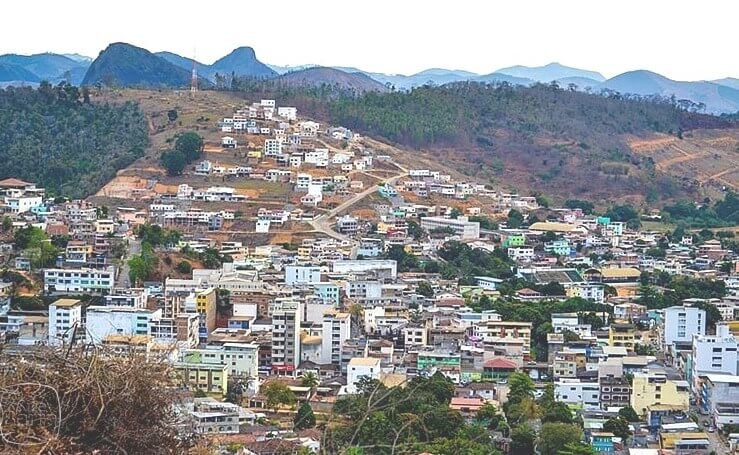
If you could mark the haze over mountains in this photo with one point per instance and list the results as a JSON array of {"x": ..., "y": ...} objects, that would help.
[{"x": 124, "y": 64}]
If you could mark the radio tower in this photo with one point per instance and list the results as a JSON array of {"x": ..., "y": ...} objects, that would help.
[{"x": 194, "y": 80}]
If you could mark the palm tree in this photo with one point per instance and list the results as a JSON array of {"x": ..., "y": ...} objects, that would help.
[{"x": 310, "y": 379}]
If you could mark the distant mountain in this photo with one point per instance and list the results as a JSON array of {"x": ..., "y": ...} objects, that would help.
[
  {"x": 500, "y": 77},
  {"x": 581, "y": 82},
  {"x": 242, "y": 61},
  {"x": 550, "y": 72},
  {"x": 124, "y": 64},
  {"x": 288, "y": 68},
  {"x": 45, "y": 66},
  {"x": 16, "y": 73},
  {"x": 730, "y": 82},
  {"x": 717, "y": 98},
  {"x": 316, "y": 76},
  {"x": 79, "y": 58},
  {"x": 182, "y": 62},
  {"x": 48, "y": 66}
]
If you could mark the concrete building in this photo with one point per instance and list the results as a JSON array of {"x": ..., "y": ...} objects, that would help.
[
  {"x": 207, "y": 377},
  {"x": 302, "y": 274},
  {"x": 361, "y": 367},
  {"x": 382, "y": 267},
  {"x": 336, "y": 330},
  {"x": 286, "y": 318},
  {"x": 101, "y": 321},
  {"x": 584, "y": 395},
  {"x": 714, "y": 354},
  {"x": 241, "y": 359},
  {"x": 719, "y": 398},
  {"x": 467, "y": 230},
  {"x": 650, "y": 389},
  {"x": 682, "y": 322},
  {"x": 63, "y": 315},
  {"x": 79, "y": 281}
]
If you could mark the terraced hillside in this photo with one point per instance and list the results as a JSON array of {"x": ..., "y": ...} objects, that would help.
[{"x": 706, "y": 159}]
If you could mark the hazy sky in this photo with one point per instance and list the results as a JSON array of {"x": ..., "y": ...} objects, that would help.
[{"x": 684, "y": 40}]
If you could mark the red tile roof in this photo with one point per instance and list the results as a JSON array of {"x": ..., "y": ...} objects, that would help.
[{"x": 500, "y": 362}]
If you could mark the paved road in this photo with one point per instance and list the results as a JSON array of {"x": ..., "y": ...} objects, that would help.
[{"x": 134, "y": 247}]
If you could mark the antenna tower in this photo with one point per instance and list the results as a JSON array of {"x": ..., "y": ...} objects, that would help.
[{"x": 194, "y": 80}]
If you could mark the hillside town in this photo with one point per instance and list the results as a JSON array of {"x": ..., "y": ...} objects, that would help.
[{"x": 364, "y": 271}]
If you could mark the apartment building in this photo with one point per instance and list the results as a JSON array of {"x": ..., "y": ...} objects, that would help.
[
  {"x": 64, "y": 314},
  {"x": 462, "y": 226},
  {"x": 286, "y": 318},
  {"x": 79, "y": 281},
  {"x": 336, "y": 330},
  {"x": 101, "y": 321},
  {"x": 653, "y": 388},
  {"x": 682, "y": 322}
]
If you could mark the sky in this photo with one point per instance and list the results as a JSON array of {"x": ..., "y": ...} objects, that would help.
[{"x": 683, "y": 40}]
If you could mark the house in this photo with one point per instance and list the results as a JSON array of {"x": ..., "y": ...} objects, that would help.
[
  {"x": 228, "y": 142},
  {"x": 653, "y": 388},
  {"x": 359, "y": 368}
]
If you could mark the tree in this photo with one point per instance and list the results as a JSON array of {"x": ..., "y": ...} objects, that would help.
[
  {"x": 488, "y": 414},
  {"x": 618, "y": 426},
  {"x": 184, "y": 267},
  {"x": 523, "y": 440},
  {"x": 577, "y": 448},
  {"x": 309, "y": 379},
  {"x": 455, "y": 213},
  {"x": 304, "y": 418},
  {"x": 520, "y": 385},
  {"x": 172, "y": 115},
  {"x": 629, "y": 414},
  {"x": 190, "y": 144},
  {"x": 515, "y": 219},
  {"x": 174, "y": 162},
  {"x": 425, "y": 289},
  {"x": 277, "y": 394},
  {"x": 7, "y": 223},
  {"x": 555, "y": 435}
]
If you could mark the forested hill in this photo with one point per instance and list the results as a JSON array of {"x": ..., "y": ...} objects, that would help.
[
  {"x": 540, "y": 138},
  {"x": 55, "y": 137},
  {"x": 469, "y": 113}
]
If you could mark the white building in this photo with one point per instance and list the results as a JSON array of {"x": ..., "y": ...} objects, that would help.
[
  {"x": 387, "y": 267},
  {"x": 102, "y": 321},
  {"x": 575, "y": 392},
  {"x": 521, "y": 253},
  {"x": 302, "y": 274},
  {"x": 467, "y": 230},
  {"x": 361, "y": 367},
  {"x": 336, "y": 330},
  {"x": 79, "y": 281},
  {"x": 242, "y": 359},
  {"x": 288, "y": 113},
  {"x": 63, "y": 315},
  {"x": 714, "y": 354},
  {"x": 682, "y": 322},
  {"x": 272, "y": 147}
]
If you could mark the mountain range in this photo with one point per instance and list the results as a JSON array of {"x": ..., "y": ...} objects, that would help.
[{"x": 125, "y": 64}]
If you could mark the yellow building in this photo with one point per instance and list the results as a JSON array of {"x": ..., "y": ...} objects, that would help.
[
  {"x": 210, "y": 378},
  {"x": 254, "y": 154},
  {"x": 622, "y": 335},
  {"x": 206, "y": 305},
  {"x": 650, "y": 389}
]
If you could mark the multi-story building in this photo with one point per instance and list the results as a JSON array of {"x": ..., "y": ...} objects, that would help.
[
  {"x": 64, "y": 314},
  {"x": 79, "y": 281},
  {"x": 302, "y": 274},
  {"x": 719, "y": 398},
  {"x": 462, "y": 226},
  {"x": 336, "y": 330},
  {"x": 415, "y": 335},
  {"x": 650, "y": 389},
  {"x": 208, "y": 377},
  {"x": 135, "y": 298},
  {"x": 615, "y": 389},
  {"x": 622, "y": 335},
  {"x": 714, "y": 354},
  {"x": 205, "y": 301},
  {"x": 241, "y": 359},
  {"x": 585, "y": 395},
  {"x": 286, "y": 318},
  {"x": 682, "y": 322},
  {"x": 101, "y": 321},
  {"x": 361, "y": 367}
]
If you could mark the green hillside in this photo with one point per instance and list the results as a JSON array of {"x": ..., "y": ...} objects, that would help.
[{"x": 54, "y": 137}]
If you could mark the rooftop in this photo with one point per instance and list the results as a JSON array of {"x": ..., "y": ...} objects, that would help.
[
  {"x": 66, "y": 303},
  {"x": 364, "y": 362}
]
